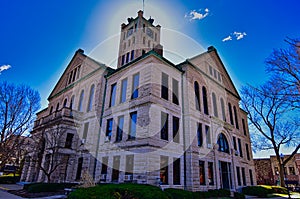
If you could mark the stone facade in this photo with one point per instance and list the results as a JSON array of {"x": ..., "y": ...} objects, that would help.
[{"x": 150, "y": 121}]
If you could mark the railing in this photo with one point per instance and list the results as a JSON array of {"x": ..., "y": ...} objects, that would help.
[{"x": 64, "y": 113}]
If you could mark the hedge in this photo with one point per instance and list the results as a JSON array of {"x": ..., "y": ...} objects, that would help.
[
  {"x": 47, "y": 187},
  {"x": 179, "y": 193},
  {"x": 9, "y": 179},
  {"x": 117, "y": 191}
]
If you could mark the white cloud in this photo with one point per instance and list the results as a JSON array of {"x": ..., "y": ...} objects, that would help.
[
  {"x": 4, "y": 67},
  {"x": 229, "y": 38},
  {"x": 193, "y": 15},
  {"x": 239, "y": 35}
]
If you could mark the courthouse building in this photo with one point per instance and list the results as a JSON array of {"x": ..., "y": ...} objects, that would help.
[{"x": 148, "y": 121}]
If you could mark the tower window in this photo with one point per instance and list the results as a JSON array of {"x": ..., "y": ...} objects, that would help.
[
  {"x": 164, "y": 124},
  {"x": 165, "y": 86},
  {"x": 123, "y": 90},
  {"x": 176, "y": 129},
  {"x": 91, "y": 98},
  {"x": 223, "y": 109},
  {"x": 127, "y": 57},
  {"x": 132, "y": 55},
  {"x": 123, "y": 60},
  {"x": 135, "y": 86},
  {"x": 80, "y": 101},
  {"x": 175, "y": 92},
  {"x": 230, "y": 114},
  {"x": 69, "y": 140},
  {"x": 113, "y": 94}
]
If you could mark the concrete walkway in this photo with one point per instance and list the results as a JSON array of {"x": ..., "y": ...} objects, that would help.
[{"x": 5, "y": 195}]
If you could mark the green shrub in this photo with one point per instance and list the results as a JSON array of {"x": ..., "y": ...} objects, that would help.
[
  {"x": 9, "y": 179},
  {"x": 259, "y": 191},
  {"x": 119, "y": 191},
  {"x": 238, "y": 195},
  {"x": 201, "y": 194},
  {"x": 219, "y": 193},
  {"x": 47, "y": 187},
  {"x": 179, "y": 193}
]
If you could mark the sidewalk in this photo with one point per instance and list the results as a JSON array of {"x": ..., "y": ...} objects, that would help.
[{"x": 5, "y": 195}]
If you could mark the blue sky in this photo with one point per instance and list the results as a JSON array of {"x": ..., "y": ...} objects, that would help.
[{"x": 39, "y": 38}]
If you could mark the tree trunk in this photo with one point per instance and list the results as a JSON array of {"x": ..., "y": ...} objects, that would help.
[{"x": 281, "y": 175}]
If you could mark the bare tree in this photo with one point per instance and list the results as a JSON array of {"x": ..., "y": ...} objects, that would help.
[
  {"x": 18, "y": 105},
  {"x": 48, "y": 145},
  {"x": 273, "y": 121},
  {"x": 284, "y": 66}
]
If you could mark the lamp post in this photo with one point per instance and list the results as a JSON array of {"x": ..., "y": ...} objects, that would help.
[{"x": 282, "y": 157}]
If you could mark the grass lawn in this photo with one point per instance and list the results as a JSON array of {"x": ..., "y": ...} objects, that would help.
[{"x": 293, "y": 195}]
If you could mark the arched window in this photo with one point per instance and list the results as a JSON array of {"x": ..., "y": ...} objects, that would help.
[
  {"x": 205, "y": 103},
  {"x": 57, "y": 106},
  {"x": 65, "y": 103},
  {"x": 236, "y": 117},
  {"x": 214, "y": 99},
  {"x": 91, "y": 97},
  {"x": 230, "y": 114},
  {"x": 197, "y": 96},
  {"x": 81, "y": 100},
  {"x": 223, "y": 144},
  {"x": 72, "y": 102},
  {"x": 223, "y": 109}
]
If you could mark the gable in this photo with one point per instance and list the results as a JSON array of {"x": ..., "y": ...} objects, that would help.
[
  {"x": 211, "y": 64},
  {"x": 79, "y": 66}
]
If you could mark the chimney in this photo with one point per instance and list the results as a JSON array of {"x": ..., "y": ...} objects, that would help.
[{"x": 158, "y": 49}]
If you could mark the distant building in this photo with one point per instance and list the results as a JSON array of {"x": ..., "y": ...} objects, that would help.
[
  {"x": 149, "y": 121},
  {"x": 267, "y": 170}
]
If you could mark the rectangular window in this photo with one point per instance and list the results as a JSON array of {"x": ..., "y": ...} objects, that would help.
[
  {"x": 240, "y": 147},
  {"x": 238, "y": 175},
  {"x": 211, "y": 173},
  {"x": 132, "y": 55},
  {"x": 109, "y": 126},
  {"x": 208, "y": 139},
  {"x": 292, "y": 171},
  {"x": 69, "y": 140},
  {"x": 251, "y": 177},
  {"x": 164, "y": 170},
  {"x": 175, "y": 93},
  {"x": 210, "y": 71},
  {"x": 234, "y": 144},
  {"x": 175, "y": 129},
  {"x": 120, "y": 129},
  {"x": 164, "y": 124},
  {"x": 176, "y": 171},
  {"x": 201, "y": 172},
  {"x": 127, "y": 57},
  {"x": 132, "y": 129},
  {"x": 85, "y": 130},
  {"x": 123, "y": 90},
  {"x": 244, "y": 176},
  {"x": 104, "y": 165},
  {"x": 165, "y": 86},
  {"x": 247, "y": 151},
  {"x": 115, "y": 169},
  {"x": 129, "y": 165},
  {"x": 135, "y": 86},
  {"x": 244, "y": 127},
  {"x": 113, "y": 90},
  {"x": 123, "y": 60},
  {"x": 199, "y": 134}
]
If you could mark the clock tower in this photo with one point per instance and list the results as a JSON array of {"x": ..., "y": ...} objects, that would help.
[{"x": 138, "y": 37}]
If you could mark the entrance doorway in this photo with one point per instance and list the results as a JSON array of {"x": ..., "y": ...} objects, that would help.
[{"x": 225, "y": 175}]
